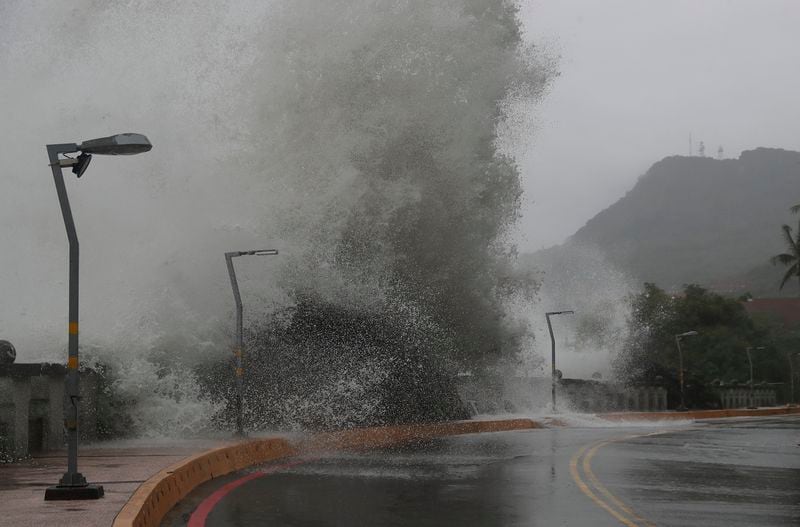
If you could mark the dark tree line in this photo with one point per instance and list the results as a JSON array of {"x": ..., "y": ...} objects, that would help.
[{"x": 716, "y": 355}]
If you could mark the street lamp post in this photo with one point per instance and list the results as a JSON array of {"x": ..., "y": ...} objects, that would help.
[
  {"x": 748, "y": 349},
  {"x": 682, "y": 407},
  {"x": 237, "y": 351},
  {"x": 73, "y": 485},
  {"x": 553, "y": 348},
  {"x": 792, "y": 399}
]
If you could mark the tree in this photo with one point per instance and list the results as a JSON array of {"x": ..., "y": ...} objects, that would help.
[
  {"x": 791, "y": 258},
  {"x": 724, "y": 329}
]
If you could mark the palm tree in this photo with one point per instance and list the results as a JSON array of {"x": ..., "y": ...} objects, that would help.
[{"x": 791, "y": 258}]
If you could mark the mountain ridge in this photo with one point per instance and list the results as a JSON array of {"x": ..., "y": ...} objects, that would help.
[{"x": 714, "y": 222}]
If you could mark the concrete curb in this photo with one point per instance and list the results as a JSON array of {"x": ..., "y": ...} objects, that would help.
[
  {"x": 369, "y": 438},
  {"x": 155, "y": 497},
  {"x": 699, "y": 414},
  {"x": 158, "y": 495}
]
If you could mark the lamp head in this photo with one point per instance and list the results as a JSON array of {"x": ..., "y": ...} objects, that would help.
[
  {"x": 260, "y": 252},
  {"x": 82, "y": 164},
  {"x": 117, "y": 145}
]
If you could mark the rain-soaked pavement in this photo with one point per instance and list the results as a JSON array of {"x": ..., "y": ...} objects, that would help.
[{"x": 742, "y": 472}]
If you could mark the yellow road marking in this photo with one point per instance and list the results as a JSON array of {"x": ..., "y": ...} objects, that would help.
[
  {"x": 587, "y": 469},
  {"x": 625, "y": 514},
  {"x": 573, "y": 468}
]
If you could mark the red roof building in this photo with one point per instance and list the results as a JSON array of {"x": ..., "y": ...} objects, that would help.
[{"x": 786, "y": 310}]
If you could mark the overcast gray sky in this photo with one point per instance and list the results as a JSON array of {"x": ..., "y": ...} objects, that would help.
[{"x": 637, "y": 77}]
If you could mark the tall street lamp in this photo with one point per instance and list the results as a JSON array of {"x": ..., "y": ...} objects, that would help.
[
  {"x": 73, "y": 485},
  {"x": 792, "y": 399},
  {"x": 682, "y": 407},
  {"x": 553, "y": 347},
  {"x": 791, "y": 374},
  {"x": 748, "y": 349},
  {"x": 237, "y": 351}
]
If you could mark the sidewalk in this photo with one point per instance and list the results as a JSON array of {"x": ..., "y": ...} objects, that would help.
[
  {"x": 120, "y": 469},
  {"x": 672, "y": 415}
]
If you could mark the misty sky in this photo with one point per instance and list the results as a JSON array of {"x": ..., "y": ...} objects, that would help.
[{"x": 636, "y": 78}]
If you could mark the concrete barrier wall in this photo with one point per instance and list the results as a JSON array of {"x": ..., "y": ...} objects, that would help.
[
  {"x": 593, "y": 396},
  {"x": 518, "y": 394},
  {"x": 740, "y": 397},
  {"x": 159, "y": 494},
  {"x": 368, "y": 438},
  {"x": 32, "y": 407}
]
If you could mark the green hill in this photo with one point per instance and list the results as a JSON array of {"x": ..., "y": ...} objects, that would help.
[{"x": 701, "y": 220}]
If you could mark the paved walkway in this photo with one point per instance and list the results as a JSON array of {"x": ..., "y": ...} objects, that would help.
[{"x": 120, "y": 468}]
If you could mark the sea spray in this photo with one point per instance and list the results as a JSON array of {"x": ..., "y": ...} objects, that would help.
[
  {"x": 388, "y": 113},
  {"x": 577, "y": 277}
]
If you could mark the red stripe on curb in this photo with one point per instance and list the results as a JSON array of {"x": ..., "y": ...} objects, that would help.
[{"x": 200, "y": 514}]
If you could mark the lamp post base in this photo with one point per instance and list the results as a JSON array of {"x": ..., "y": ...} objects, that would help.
[{"x": 73, "y": 492}]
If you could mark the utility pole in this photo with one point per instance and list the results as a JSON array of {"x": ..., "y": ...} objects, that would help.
[
  {"x": 554, "y": 371},
  {"x": 73, "y": 485},
  {"x": 792, "y": 399},
  {"x": 748, "y": 349},
  {"x": 682, "y": 407},
  {"x": 239, "y": 349}
]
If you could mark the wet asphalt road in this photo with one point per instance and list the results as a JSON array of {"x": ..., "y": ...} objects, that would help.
[{"x": 742, "y": 472}]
